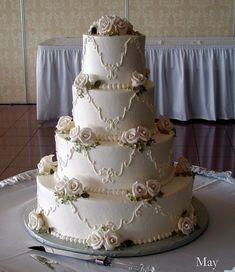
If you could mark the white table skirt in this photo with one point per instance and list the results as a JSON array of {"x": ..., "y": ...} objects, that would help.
[
  {"x": 216, "y": 243},
  {"x": 194, "y": 78}
]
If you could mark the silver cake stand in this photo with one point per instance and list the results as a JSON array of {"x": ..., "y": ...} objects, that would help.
[{"x": 170, "y": 243}]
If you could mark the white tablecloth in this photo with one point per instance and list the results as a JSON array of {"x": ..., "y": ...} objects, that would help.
[
  {"x": 217, "y": 243},
  {"x": 194, "y": 78}
]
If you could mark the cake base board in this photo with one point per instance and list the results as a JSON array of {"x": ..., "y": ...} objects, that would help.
[{"x": 161, "y": 246}]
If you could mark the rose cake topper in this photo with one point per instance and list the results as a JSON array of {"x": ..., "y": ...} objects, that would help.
[{"x": 110, "y": 25}]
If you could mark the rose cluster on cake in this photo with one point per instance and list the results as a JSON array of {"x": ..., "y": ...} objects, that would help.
[{"x": 112, "y": 25}]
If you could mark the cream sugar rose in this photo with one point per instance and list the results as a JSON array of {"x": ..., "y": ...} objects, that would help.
[{"x": 114, "y": 170}]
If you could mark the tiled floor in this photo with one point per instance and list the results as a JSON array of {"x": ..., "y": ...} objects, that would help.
[{"x": 23, "y": 141}]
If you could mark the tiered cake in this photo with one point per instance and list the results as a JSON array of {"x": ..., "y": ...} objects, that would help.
[{"x": 114, "y": 180}]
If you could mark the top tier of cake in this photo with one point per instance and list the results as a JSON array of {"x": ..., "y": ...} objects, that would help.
[
  {"x": 113, "y": 59},
  {"x": 113, "y": 51}
]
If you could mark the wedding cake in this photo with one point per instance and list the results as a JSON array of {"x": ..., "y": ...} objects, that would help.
[{"x": 114, "y": 182}]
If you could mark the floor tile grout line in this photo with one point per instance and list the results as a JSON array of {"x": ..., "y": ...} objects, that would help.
[
  {"x": 9, "y": 165},
  {"x": 23, "y": 146},
  {"x": 11, "y": 126},
  {"x": 229, "y": 139}
]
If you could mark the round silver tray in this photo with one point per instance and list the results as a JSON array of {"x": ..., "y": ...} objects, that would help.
[{"x": 170, "y": 243}]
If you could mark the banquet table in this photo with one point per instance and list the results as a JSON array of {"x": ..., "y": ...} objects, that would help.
[
  {"x": 194, "y": 77},
  {"x": 216, "y": 190}
]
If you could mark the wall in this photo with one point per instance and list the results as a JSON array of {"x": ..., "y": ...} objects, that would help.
[
  {"x": 44, "y": 19},
  {"x": 182, "y": 17},
  {"x": 11, "y": 69}
]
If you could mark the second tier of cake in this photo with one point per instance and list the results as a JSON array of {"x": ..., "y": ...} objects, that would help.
[{"x": 98, "y": 172}]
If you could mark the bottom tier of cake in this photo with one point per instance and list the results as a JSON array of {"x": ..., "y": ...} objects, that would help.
[{"x": 109, "y": 220}]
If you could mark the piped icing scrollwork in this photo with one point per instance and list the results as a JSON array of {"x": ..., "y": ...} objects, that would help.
[
  {"x": 112, "y": 124},
  {"x": 108, "y": 65},
  {"x": 111, "y": 68},
  {"x": 138, "y": 141}
]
